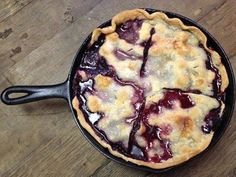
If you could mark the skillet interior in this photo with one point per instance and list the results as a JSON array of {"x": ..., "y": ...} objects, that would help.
[{"x": 229, "y": 100}]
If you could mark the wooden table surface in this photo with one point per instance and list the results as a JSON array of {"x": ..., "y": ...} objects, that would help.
[{"x": 38, "y": 40}]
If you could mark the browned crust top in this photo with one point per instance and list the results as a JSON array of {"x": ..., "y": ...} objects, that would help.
[{"x": 142, "y": 14}]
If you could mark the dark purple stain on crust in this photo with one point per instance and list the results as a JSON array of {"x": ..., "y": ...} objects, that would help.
[
  {"x": 210, "y": 66},
  {"x": 213, "y": 119},
  {"x": 94, "y": 64},
  {"x": 170, "y": 96},
  {"x": 147, "y": 45},
  {"x": 129, "y": 30},
  {"x": 122, "y": 55},
  {"x": 135, "y": 150},
  {"x": 153, "y": 133}
]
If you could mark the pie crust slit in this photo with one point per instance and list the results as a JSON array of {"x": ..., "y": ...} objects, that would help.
[{"x": 149, "y": 89}]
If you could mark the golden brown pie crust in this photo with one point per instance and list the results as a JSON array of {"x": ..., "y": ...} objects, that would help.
[
  {"x": 142, "y": 14},
  {"x": 170, "y": 162}
]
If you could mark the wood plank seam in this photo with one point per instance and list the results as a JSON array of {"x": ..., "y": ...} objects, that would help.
[
  {"x": 101, "y": 167},
  {"x": 9, "y": 16},
  {"x": 14, "y": 167},
  {"x": 43, "y": 114},
  {"x": 54, "y": 36},
  {"x": 7, "y": 79},
  {"x": 69, "y": 54},
  {"x": 231, "y": 57},
  {"x": 211, "y": 10}
]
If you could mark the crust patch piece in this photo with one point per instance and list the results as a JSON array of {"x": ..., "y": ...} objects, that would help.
[
  {"x": 186, "y": 126},
  {"x": 102, "y": 82}
]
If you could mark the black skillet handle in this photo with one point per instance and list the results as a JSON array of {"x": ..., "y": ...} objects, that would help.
[{"x": 35, "y": 93}]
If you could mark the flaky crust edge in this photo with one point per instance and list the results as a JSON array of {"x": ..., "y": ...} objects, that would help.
[
  {"x": 170, "y": 162},
  {"x": 142, "y": 15}
]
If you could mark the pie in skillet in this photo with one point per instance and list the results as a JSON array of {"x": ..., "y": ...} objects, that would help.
[{"x": 149, "y": 89}]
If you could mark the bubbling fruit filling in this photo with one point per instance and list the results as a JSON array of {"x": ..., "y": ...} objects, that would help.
[
  {"x": 129, "y": 30},
  {"x": 144, "y": 99}
]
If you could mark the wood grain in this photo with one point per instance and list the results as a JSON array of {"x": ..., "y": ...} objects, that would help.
[
  {"x": 220, "y": 23},
  {"x": 38, "y": 40},
  {"x": 10, "y": 7}
]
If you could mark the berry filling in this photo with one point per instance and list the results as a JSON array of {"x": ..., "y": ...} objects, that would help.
[
  {"x": 168, "y": 101},
  {"x": 122, "y": 55},
  {"x": 93, "y": 64},
  {"x": 153, "y": 133},
  {"x": 213, "y": 119},
  {"x": 147, "y": 45},
  {"x": 217, "y": 81},
  {"x": 129, "y": 30}
]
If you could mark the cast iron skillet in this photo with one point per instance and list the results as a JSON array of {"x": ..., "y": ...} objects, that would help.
[{"x": 64, "y": 90}]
